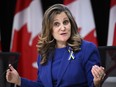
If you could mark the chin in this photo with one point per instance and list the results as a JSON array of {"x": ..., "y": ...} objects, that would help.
[{"x": 64, "y": 40}]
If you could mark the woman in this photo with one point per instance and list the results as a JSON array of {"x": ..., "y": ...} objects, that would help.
[{"x": 65, "y": 60}]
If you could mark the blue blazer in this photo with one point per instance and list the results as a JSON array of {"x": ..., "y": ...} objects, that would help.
[{"x": 72, "y": 73}]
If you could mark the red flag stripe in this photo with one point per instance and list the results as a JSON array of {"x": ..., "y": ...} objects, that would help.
[
  {"x": 21, "y": 4},
  {"x": 114, "y": 39},
  {"x": 113, "y": 2},
  {"x": 66, "y": 2}
]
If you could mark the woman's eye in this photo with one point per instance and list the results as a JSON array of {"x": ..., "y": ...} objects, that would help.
[
  {"x": 66, "y": 22},
  {"x": 56, "y": 24}
]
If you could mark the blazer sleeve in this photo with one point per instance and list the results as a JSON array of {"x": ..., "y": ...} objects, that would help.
[
  {"x": 91, "y": 57},
  {"x": 29, "y": 83}
]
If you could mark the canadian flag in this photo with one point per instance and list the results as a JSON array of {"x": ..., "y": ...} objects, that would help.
[
  {"x": 26, "y": 28},
  {"x": 112, "y": 25},
  {"x": 82, "y": 12}
]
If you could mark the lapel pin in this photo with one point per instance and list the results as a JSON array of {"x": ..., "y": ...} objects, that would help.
[{"x": 71, "y": 54}]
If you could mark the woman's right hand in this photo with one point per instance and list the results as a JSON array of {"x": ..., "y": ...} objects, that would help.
[{"x": 12, "y": 76}]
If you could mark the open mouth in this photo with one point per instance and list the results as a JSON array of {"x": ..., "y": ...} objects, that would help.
[{"x": 63, "y": 33}]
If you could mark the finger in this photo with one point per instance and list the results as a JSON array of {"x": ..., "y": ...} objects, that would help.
[
  {"x": 102, "y": 76},
  {"x": 8, "y": 72},
  {"x": 99, "y": 70},
  {"x": 8, "y": 75},
  {"x": 102, "y": 67},
  {"x": 102, "y": 70},
  {"x": 94, "y": 72},
  {"x": 11, "y": 67}
]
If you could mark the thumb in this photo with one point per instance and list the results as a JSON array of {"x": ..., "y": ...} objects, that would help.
[
  {"x": 11, "y": 67},
  {"x": 102, "y": 67}
]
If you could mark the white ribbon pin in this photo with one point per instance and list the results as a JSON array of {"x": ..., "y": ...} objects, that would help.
[{"x": 71, "y": 54}]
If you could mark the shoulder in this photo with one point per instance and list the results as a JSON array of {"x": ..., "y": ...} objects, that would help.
[
  {"x": 88, "y": 45},
  {"x": 90, "y": 52},
  {"x": 88, "y": 49}
]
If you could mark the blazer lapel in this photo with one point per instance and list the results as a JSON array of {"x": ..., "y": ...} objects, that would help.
[
  {"x": 49, "y": 77},
  {"x": 47, "y": 72},
  {"x": 63, "y": 66}
]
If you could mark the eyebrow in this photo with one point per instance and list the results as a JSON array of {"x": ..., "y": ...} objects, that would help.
[{"x": 63, "y": 19}]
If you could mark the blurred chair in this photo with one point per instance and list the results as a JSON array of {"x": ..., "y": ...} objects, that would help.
[
  {"x": 108, "y": 60},
  {"x": 7, "y": 58}
]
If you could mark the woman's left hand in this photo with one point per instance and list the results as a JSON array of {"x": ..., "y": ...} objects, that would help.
[{"x": 98, "y": 74}]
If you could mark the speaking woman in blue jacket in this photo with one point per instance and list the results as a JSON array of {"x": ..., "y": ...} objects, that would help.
[{"x": 65, "y": 59}]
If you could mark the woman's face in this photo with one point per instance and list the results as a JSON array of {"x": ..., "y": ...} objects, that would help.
[{"x": 61, "y": 28}]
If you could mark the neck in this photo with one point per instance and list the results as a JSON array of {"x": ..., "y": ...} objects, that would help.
[{"x": 60, "y": 45}]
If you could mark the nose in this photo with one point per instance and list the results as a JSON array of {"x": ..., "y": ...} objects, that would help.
[{"x": 63, "y": 27}]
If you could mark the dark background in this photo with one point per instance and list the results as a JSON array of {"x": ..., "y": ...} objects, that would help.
[{"x": 7, "y": 10}]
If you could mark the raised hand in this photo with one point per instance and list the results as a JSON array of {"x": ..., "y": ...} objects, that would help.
[
  {"x": 12, "y": 76},
  {"x": 98, "y": 74}
]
